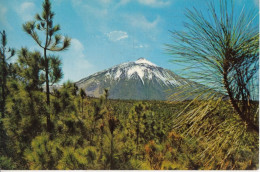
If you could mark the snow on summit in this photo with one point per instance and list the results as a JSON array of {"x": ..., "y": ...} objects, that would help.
[
  {"x": 143, "y": 69},
  {"x": 136, "y": 80},
  {"x": 144, "y": 61},
  {"x": 136, "y": 69}
]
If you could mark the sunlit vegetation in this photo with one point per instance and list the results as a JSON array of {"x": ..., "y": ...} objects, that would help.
[
  {"x": 220, "y": 50},
  {"x": 65, "y": 129},
  {"x": 111, "y": 134}
]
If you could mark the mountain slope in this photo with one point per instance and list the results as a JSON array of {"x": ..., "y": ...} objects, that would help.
[{"x": 139, "y": 80}]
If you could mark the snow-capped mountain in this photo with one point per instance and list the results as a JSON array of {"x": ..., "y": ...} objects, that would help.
[{"x": 139, "y": 80}]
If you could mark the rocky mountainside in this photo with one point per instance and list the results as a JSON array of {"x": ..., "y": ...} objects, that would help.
[{"x": 139, "y": 80}]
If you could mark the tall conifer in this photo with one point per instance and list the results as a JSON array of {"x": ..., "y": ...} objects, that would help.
[
  {"x": 5, "y": 54},
  {"x": 52, "y": 42}
]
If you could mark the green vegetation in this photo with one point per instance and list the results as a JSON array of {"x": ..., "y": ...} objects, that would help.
[
  {"x": 98, "y": 133},
  {"x": 51, "y": 65},
  {"x": 220, "y": 50},
  {"x": 110, "y": 134}
]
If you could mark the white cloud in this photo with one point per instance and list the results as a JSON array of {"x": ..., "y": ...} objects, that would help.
[
  {"x": 76, "y": 2},
  {"x": 77, "y": 46},
  {"x": 96, "y": 11},
  {"x": 76, "y": 65},
  {"x": 140, "y": 21},
  {"x": 3, "y": 11},
  {"x": 26, "y": 11},
  {"x": 122, "y": 2},
  {"x": 141, "y": 46},
  {"x": 99, "y": 9},
  {"x": 154, "y": 3},
  {"x": 117, "y": 35}
]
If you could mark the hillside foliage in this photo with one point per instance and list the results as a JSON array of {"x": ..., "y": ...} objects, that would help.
[
  {"x": 110, "y": 134},
  {"x": 64, "y": 129}
]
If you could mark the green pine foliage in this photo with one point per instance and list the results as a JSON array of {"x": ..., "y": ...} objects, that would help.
[
  {"x": 42, "y": 153},
  {"x": 5, "y": 74},
  {"x": 99, "y": 133},
  {"x": 105, "y": 136},
  {"x": 54, "y": 42}
]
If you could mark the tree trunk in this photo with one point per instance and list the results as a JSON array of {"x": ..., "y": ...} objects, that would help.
[
  {"x": 111, "y": 153},
  {"x": 3, "y": 85},
  {"x": 82, "y": 105},
  {"x": 3, "y": 135},
  {"x": 47, "y": 79},
  {"x": 137, "y": 135},
  {"x": 235, "y": 104},
  {"x": 47, "y": 90},
  {"x": 101, "y": 151}
]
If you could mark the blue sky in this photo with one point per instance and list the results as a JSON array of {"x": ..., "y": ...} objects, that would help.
[{"x": 107, "y": 32}]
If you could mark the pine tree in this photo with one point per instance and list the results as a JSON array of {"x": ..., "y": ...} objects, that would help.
[
  {"x": 43, "y": 153},
  {"x": 82, "y": 95},
  {"x": 222, "y": 52},
  {"x": 24, "y": 118},
  {"x": 29, "y": 69},
  {"x": 136, "y": 124},
  {"x": 3, "y": 66},
  {"x": 112, "y": 124},
  {"x": 53, "y": 42},
  {"x": 5, "y": 54}
]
